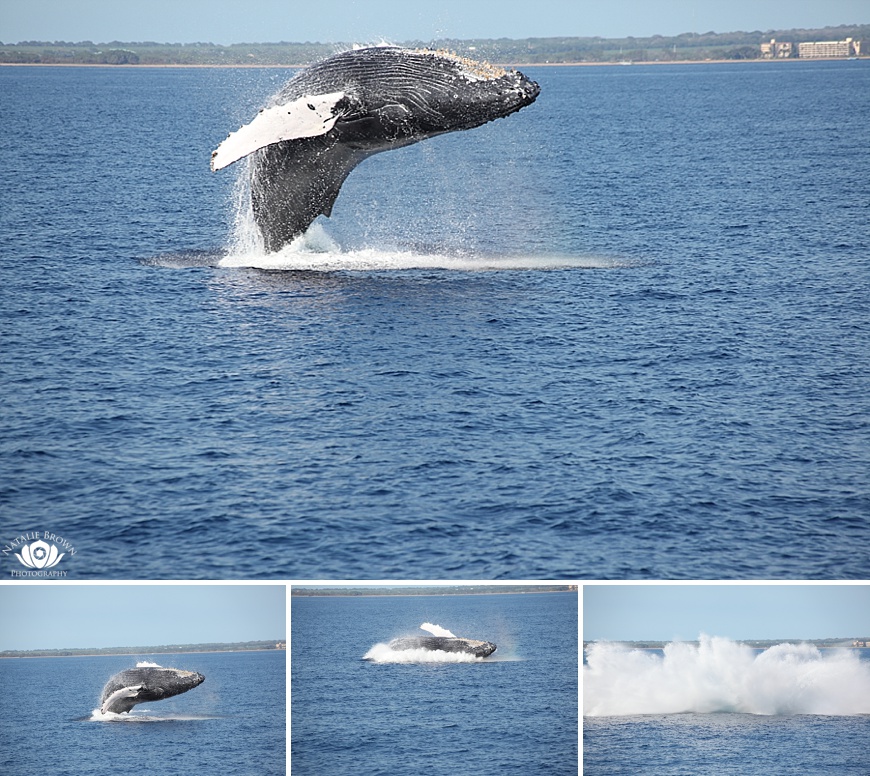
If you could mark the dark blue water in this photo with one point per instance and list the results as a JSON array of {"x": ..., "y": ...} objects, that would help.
[
  {"x": 720, "y": 744},
  {"x": 683, "y": 396},
  {"x": 233, "y": 723},
  {"x": 512, "y": 713}
]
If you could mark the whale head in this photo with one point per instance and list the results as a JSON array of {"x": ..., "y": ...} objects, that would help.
[{"x": 399, "y": 96}]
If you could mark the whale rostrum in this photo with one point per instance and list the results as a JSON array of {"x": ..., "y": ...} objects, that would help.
[
  {"x": 445, "y": 644},
  {"x": 142, "y": 684},
  {"x": 334, "y": 114}
]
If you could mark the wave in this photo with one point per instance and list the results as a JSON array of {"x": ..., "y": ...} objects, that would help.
[{"x": 720, "y": 675}]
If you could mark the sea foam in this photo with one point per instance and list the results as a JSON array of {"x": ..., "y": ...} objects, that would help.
[{"x": 383, "y": 653}]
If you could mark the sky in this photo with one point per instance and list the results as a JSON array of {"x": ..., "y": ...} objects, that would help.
[
  {"x": 71, "y": 616},
  {"x": 370, "y": 21},
  {"x": 658, "y": 612}
]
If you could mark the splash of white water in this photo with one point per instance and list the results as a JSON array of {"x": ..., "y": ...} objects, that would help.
[
  {"x": 317, "y": 251},
  {"x": 383, "y": 653},
  {"x": 142, "y": 716},
  {"x": 437, "y": 630},
  {"x": 146, "y": 664},
  {"x": 720, "y": 675}
]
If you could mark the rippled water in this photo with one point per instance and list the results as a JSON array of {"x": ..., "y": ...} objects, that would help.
[
  {"x": 622, "y": 333},
  {"x": 713, "y": 744}
]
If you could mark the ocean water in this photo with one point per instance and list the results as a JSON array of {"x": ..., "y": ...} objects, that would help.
[
  {"x": 356, "y": 709},
  {"x": 233, "y": 723},
  {"x": 723, "y": 708},
  {"x": 725, "y": 745},
  {"x": 620, "y": 334}
]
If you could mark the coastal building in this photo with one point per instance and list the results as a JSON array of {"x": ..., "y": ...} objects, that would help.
[
  {"x": 777, "y": 49},
  {"x": 822, "y": 49},
  {"x": 826, "y": 49}
]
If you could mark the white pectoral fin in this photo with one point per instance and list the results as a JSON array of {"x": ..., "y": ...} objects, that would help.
[
  {"x": 120, "y": 700},
  {"x": 306, "y": 117}
]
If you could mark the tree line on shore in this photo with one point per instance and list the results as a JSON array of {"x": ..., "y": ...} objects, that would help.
[
  {"x": 241, "y": 646},
  {"x": 555, "y": 50},
  {"x": 406, "y": 590},
  {"x": 829, "y": 643}
]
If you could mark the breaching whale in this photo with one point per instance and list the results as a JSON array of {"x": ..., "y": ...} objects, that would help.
[
  {"x": 445, "y": 644},
  {"x": 336, "y": 113},
  {"x": 138, "y": 685}
]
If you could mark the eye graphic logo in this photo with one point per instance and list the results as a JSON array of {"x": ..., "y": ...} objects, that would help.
[{"x": 39, "y": 555}]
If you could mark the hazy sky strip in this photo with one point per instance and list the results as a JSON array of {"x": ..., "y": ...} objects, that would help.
[
  {"x": 46, "y": 616},
  {"x": 370, "y": 21},
  {"x": 666, "y": 612}
]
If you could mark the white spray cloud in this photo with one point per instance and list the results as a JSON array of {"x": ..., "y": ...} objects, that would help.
[
  {"x": 437, "y": 630},
  {"x": 720, "y": 675}
]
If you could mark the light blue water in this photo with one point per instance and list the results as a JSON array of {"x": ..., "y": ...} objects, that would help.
[
  {"x": 685, "y": 396},
  {"x": 515, "y": 712},
  {"x": 234, "y": 723}
]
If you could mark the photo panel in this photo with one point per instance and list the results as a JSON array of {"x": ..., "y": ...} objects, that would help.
[
  {"x": 469, "y": 677},
  {"x": 179, "y": 678},
  {"x": 712, "y": 678}
]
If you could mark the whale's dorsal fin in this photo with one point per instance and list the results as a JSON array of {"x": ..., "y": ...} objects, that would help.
[{"x": 307, "y": 116}]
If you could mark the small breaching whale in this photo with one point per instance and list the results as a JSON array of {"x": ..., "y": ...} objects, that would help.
[
  {"x": 145, "y": 683},
  {"x": 334, "y": 114},
  {"x": 445, "y": 644}
]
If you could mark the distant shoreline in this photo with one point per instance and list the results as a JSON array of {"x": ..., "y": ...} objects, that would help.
[
  {"x": 347, "y": 592},
  {"x": 752, "y": 646},
  {"x": 169, "y": 65},
  {"x": 141, "y": 654}
]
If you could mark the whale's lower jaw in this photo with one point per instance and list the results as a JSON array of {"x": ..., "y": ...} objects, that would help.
[{"x": 445, "y": 644}]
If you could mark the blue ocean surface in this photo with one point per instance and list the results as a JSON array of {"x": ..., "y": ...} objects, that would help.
[
  {"x": 515, "y": 712},
  {"x": 234, "y": 723},
  {"x": 725, "y": 745},
  {"x": 620, "y": 334}
]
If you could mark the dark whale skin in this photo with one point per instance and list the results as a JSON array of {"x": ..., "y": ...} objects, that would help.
[{"x": 445, "y": 644}]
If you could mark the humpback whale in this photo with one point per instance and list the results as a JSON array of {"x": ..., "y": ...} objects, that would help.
[
  {"x": 334, "y": 114},
  {"x": 445, "y": 644},
  {"x": 138, "y": 685}
]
